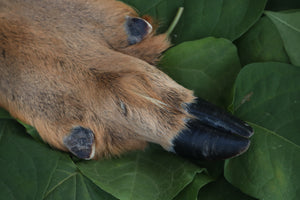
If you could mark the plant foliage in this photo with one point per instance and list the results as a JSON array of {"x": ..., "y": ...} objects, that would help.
[{"x": 232, "y": 53}]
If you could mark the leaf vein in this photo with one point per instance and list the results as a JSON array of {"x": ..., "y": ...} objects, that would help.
[
  {"x": 285, "y": 22},
  {"x": 60, "y": 183}
]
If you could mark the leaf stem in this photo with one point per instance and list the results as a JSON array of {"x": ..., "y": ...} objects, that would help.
[{"x": 175, "y": 21}]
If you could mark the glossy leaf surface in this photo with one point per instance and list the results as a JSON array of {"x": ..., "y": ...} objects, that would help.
[
  {"x": 288, "y": 25},
  {"x": 268, "y": 94},
  {"x": 228, "y": 19},
  {"x": 154, "y": 174},
  {"x": 262, "y": 43},
  {"x": 31, "y": 170},
  {"x": 208, "y": 66}
]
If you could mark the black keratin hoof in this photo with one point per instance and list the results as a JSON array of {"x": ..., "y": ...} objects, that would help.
[
  {"x": 206, "y": 143},
  {"x": 213, "y": 135},
  {"x": 213, "y": 116}
]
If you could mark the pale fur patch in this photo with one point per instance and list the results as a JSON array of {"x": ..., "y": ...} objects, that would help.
[{"x": 157, "y": 102}]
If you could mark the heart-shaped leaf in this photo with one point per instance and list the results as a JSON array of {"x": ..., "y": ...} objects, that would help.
[
  {"x": 207, "y": 66},
  {"x": 67, "y": 182},
  {"x": 269, "y": 95},
  {"x": 154, "y": 174},
  {"x": 31, "y": 170},
  {"x": 50, "y": 174}
]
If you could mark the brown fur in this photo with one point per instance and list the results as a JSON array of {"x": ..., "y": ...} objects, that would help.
[{"x": 66, "y": 63}]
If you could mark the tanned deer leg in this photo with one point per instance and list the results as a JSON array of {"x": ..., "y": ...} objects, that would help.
[{"x": 81, "y": 72}]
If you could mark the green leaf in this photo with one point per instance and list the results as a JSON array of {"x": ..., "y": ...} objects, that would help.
[
  {"x": 31, "y": 170},
  {"x": 203, "y": 18},
  {"x": 4, "y": 114},
  {"x": 207, "y": 66},
  {"x": 269, "y": 169},
  {"x": 282, "y": 5},
  {"x": 67, "y": 179},
  {"x": 288, "y": 25},
  {"x": 228, "y": 19},
  {"x": 153, "y": 174},
  {"x": 29, "y": 129},
  {"x": 32, "y": 131},
  {"x": 214, "y": 168},
  {"x": 268, "y": 94},
  {"x": 163, "y": 11},
  {"x": 156, "y": 173},
  {"x": 220, "y": 190},
  {"x": 191, "y": 191},
  {"x": 262, "y": 43}
]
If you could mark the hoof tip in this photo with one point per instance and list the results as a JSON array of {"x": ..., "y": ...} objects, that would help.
[{"x": 202, "y": 142}]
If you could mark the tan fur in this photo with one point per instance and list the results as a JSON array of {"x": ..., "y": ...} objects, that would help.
[{"x": 67, "y": 63}]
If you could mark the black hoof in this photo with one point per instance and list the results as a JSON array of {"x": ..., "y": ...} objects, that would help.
[
  {"x": 215, "y": 117},
  {"x": 213, "y": 135},
  {"x": 137, "y": 29},
  {"x": 80, "y": 142},
  {"x": 203, "y": 142}
]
